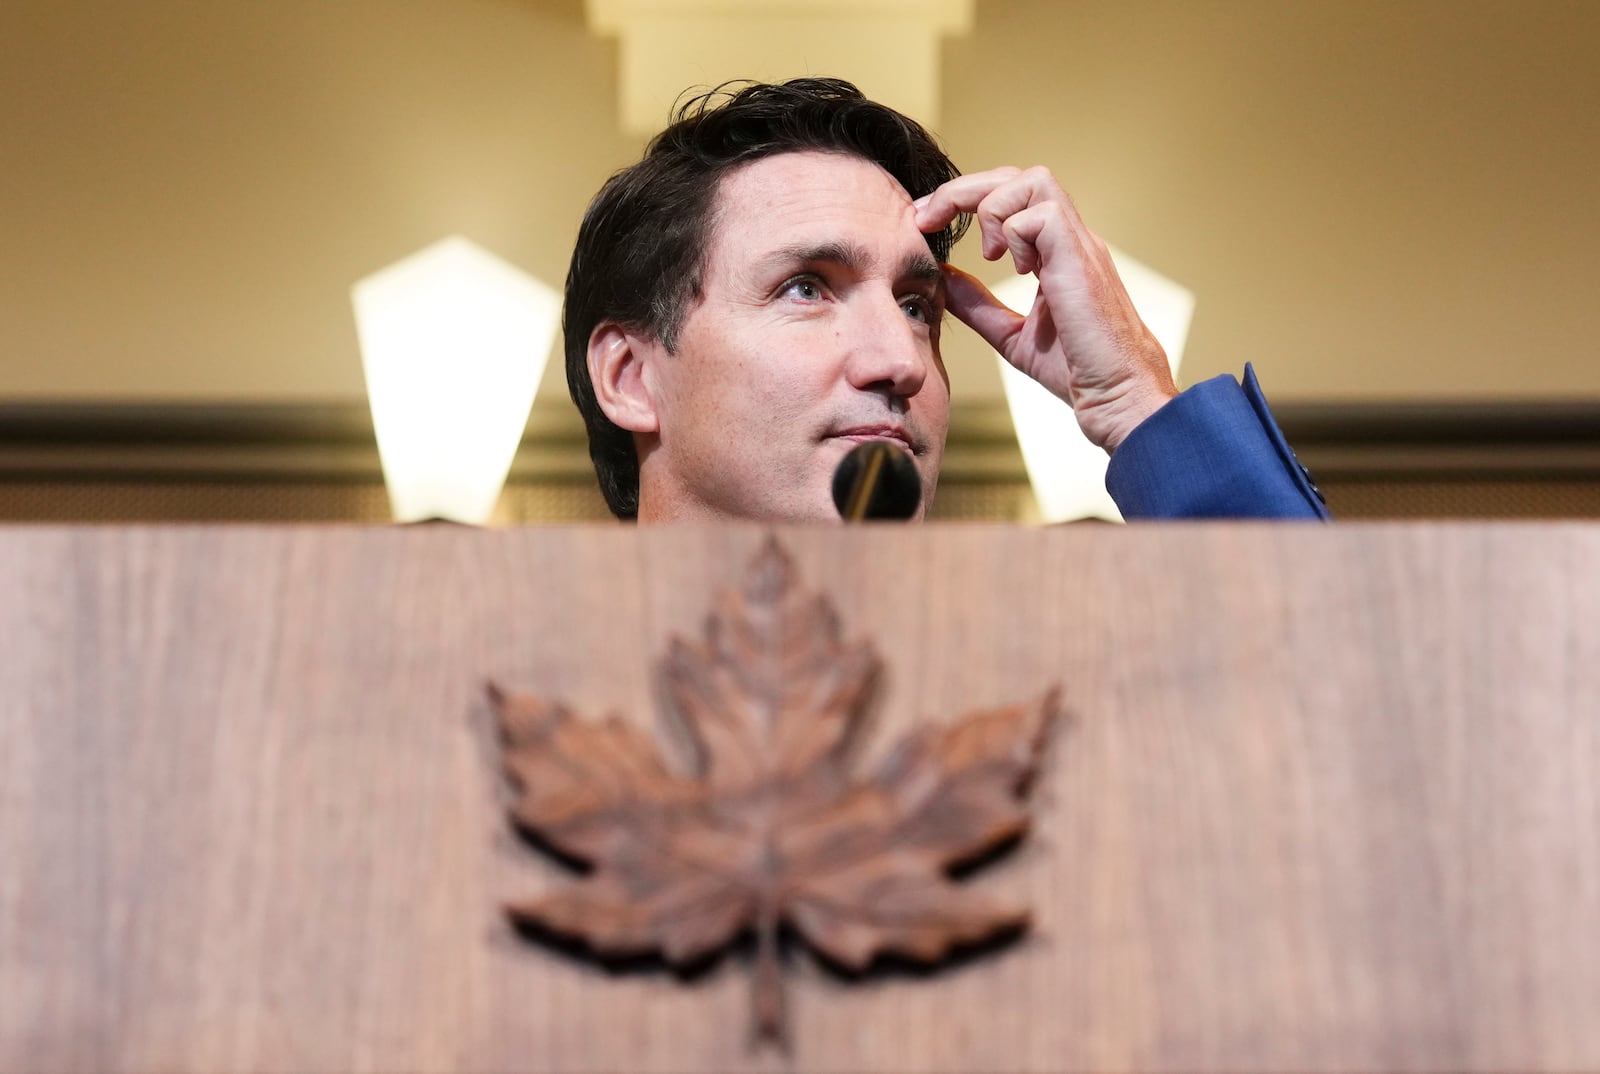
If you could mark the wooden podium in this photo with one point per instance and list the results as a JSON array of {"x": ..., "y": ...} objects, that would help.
[{"x": 1328, "y": 798}]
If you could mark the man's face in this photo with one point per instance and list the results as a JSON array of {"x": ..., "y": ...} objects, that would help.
[{"x": 818, "y": 331}]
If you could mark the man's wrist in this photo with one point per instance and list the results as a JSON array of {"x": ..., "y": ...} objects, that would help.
[{"x": 1114, "y": 423}]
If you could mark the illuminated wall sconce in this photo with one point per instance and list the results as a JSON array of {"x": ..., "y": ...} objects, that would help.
[
  {"x": 1067, "y": 472},
  {"x": 454, "y": 342}
]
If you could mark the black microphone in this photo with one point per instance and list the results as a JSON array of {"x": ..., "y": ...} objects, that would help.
[{"x": 877, "y": 480}]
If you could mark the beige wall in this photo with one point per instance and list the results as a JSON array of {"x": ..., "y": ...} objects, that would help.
[{"x": 1371, "y": 199}]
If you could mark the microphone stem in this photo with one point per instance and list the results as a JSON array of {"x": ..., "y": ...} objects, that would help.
[{"x": 865, "y": 485}]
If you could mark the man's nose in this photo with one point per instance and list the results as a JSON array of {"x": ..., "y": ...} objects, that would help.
[{"x": 887, "y": 352}]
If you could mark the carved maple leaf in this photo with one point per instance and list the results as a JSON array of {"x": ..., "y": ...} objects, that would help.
[{"x": 768, "y": 826}]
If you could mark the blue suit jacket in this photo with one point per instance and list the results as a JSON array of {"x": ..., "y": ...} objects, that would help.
[{"x": 1212, "y": 452}]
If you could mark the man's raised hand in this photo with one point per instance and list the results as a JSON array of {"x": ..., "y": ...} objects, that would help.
[{"x": 1083, "y": 340}]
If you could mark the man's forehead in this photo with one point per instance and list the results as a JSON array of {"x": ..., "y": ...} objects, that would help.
[
  {"x": 791, "y": 165},
  {"x": 838, "y": 206}
]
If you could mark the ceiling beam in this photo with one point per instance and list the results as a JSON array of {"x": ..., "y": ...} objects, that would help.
[{"x": 889, "y": 48}]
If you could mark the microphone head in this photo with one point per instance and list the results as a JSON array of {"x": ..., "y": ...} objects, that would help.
[{"x": 877, "y": 479}]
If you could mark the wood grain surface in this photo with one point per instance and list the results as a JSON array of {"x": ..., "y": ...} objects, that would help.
[{"x": 1328, "y": 797}]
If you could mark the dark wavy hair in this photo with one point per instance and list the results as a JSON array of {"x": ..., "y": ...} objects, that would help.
[{"x": 641, "y": 251}]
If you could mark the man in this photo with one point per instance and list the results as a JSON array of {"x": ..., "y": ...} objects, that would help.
[{"x": 766, "y": 289}]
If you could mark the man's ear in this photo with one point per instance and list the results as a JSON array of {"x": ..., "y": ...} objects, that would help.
[{"x": 618, "y": 362}]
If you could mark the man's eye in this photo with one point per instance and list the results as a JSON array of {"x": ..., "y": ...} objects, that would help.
[
  {"x": 917, "y": 308},
  {"x": 805, "y": 288}
]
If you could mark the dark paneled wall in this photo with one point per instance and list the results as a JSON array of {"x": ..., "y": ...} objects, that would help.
[{"x": 81, "y": 463}]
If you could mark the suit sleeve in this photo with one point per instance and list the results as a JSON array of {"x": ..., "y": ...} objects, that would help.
[{"x": 1214, "y": 451}]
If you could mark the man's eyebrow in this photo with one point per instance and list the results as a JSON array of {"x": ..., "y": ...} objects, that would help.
[
  {"x": 845, "y": 254},
  {"x": 848, "y": 255},
  {"x": 922, "y": 268}
]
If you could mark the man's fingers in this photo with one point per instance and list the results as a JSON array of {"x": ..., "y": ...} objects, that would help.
[
  {"x": 1005, "y": 204},
  {"x": 974, "y": 306},
  {"x": 960, "y": 195},
  {"x": 1037, "y": 232}
]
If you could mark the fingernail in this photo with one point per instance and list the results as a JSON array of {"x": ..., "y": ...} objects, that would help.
[{"x": 922, "y": 202}]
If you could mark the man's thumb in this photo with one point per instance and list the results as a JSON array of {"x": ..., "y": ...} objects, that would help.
[{"x": 978, "y": 309}]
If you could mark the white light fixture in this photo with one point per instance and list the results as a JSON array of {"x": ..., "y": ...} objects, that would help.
[
  {"x": 453, "y": 342},
  {"x": 889, "y": 48},
  {"x": 1067, "y": 472}
]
